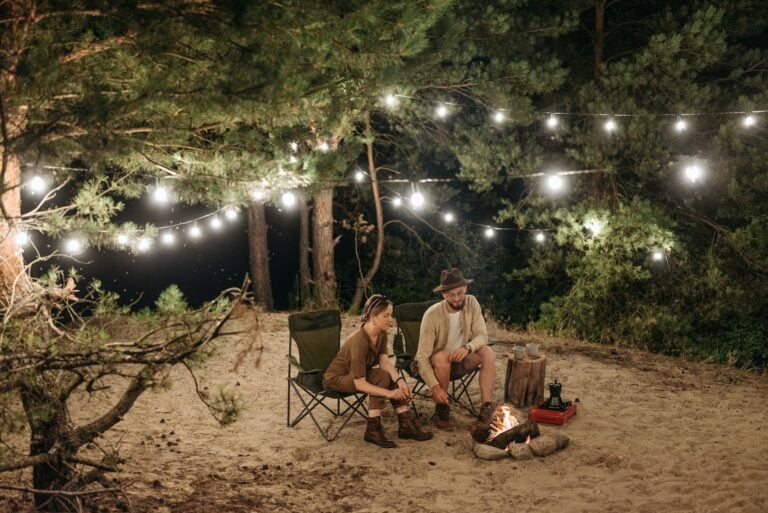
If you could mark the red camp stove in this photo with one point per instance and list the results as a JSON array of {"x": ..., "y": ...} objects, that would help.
[{"x": 554, "y": 410}]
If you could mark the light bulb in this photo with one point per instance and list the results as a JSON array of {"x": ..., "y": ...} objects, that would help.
[
  {"x": 168, "y": 238},
  {"x": 230, "y": 213},
  {"x": 22, "y": 238},
  {"x": 554, "y": 182},
  {"x": 396, "y": 202},
  {"x": 498, "y": 116},
  {"x": 448, "y": 217},
  {"x": 161, "y": 195},
  {"x": 552, "y": 122},
  {"x": 610, "y": 126},
  {"x": 73, "y": 246},
  {"x": 417, "y": 200},
  {"x": 681, "y": 125},
  {"x": 540, "y": 237},
  {"x": 122, "y": 239},
  {"x": 693, "y": 172},
  {"x": 144, "y": 244},
  {"x": 489, "y": 233},
  {"x": 391, "y": 101},
  {"x": 359, "y": 176},
  {"x": 37, "y": 184},
  {"x": 657, "y": 256},
  {"x": 215, "y": 222},
  {"x": 749, "y": 121},
  {"x": 288, "y": 199},
  {"x": 441, "y": 111},
  {"x": 195, "y": 232}
]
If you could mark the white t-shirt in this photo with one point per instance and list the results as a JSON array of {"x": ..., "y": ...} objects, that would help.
[{"x": 455, "y": 333}]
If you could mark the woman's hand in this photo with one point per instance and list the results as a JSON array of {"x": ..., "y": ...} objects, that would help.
[
  {"x": 398, "y": 394},
  {"x": 402, "y": 385}
]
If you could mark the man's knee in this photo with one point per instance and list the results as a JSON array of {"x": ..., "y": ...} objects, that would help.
[
  {"x": 486, "y": 354},
  {"x": 440, "y": 360}
]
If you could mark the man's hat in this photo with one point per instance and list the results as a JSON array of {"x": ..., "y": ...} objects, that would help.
[{"x": 451, "y": 279}]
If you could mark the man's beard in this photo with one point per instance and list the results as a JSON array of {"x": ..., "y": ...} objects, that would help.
[{"x": 457, "y": 306}]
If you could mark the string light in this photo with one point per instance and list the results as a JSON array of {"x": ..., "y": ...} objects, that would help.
[
  {"x": 22, "y": 239},
  {"x": 681, "y": 125},
  {"x": 489, "y": 233},
  {"x": 391, "y": 101},
  {"x": 73, "y": 246},
  {"x": 693, "y": 172},
  {"x": 749, "y": 121},
  {"x": 230, "y": 213},
  {"x": 359, "y": 176},
  {"x": 555, "y": 183},
  {"x": 215, "y": 222},
  {"x": 499, "y": 117},
  {"x": 448, "y": 217},
  {"x": 143, "y": 244},
  {"x": 288, "y": 199},
  {"x": 539, "y": 237},
  {"x": 161, "y": 195},
  {"x": 441, "y": 112},
  {"x": 552, "y": 122},
  {"x": 610, "y": 125},
  {"x": 195, "y": 232},
  {"x": 657, "y": 256},
  {"x": 122, "y": 239},
  {"x": 417, "y": 200},
  {"x": 168, "y": 238},
  {"x": 37, "y": 184},
  {"x": 396, "y": 202}
]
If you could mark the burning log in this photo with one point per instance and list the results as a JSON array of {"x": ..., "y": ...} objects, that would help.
[{"x": 517, "y": 434}]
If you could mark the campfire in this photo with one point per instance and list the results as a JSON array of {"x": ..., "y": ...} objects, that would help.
[{"x": 519, "y": 440}]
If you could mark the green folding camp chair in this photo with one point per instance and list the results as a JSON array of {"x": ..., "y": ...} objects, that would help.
[
  {"x": 405, "y": 345},
  {"x": 317, "y": 336}
]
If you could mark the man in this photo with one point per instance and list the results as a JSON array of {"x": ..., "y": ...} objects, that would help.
[{"x": 453, "y": 341}]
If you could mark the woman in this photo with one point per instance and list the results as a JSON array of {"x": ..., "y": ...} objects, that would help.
[{"x": 353, "y": 371}]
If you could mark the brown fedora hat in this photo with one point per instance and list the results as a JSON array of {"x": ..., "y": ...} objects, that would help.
[{"x": 451, "y": 279}]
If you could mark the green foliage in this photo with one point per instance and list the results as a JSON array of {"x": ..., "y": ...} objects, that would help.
[{"x": 171, "y": 301}]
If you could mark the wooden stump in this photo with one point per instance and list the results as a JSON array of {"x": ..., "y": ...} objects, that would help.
[{"x": 524, "y": 385}]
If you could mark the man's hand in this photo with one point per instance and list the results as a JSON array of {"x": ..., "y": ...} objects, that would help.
[
  {"x": 458, "y": 354},
  {"x": 439, "y": 395}
]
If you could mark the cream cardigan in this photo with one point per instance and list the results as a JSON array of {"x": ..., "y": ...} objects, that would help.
[{"x": 433, "y": 335}]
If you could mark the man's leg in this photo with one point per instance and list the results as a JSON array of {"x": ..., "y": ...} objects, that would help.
[
  {"x": 487, "y": 373},
  {"x": 442, "y": 367}
]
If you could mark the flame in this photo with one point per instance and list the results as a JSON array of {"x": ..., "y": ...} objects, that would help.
[{"x": 503, "y": 420}]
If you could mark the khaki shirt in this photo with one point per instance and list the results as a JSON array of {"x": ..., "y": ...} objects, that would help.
[
  {"x": 433, "y": 335},
  {"x": 356, "y": 356}
]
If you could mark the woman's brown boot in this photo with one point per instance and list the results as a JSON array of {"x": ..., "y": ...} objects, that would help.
[
  {"x": 410, "y": 429},
  {"x": 375, "y": 435}
]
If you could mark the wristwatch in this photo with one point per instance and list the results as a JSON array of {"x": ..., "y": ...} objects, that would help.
[{"x": 468, "y": 348}]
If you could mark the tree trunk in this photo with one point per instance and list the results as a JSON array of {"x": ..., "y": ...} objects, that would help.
[
  {"x": 13, "y": 38},
  {"x": 364, "y": 282},
  {"x": 304, "y": 274},
  {"x": 599, "y": 36},
  {"x": 48, "y": 418},
  {"x": 524, "y": 384},
  {"x": 322, "y": 249},
  {"x": 259, "y": 255}
]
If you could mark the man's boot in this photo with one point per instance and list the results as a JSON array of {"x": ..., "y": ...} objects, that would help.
[
  {"x": 481, "y": 429},
  {"x": 410, "y": 429},
  {"x": 375, "y": 435},
  {"x": 442, "y": 417}
]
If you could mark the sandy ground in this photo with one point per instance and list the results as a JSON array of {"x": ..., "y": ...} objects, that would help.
[{"x": 653, "y": 434}]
